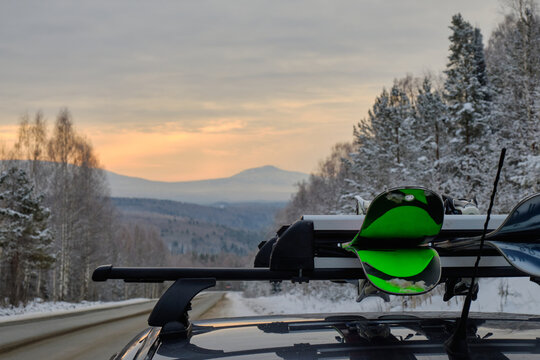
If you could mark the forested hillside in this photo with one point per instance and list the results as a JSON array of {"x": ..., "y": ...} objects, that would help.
[
  {"x": 214, "y": 234},
  {"x": 445, "y": 131},
  {"x": 247, "y": 216}
]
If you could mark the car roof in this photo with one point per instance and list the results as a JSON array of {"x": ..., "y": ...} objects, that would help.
[{"x": 352, "y": 336}]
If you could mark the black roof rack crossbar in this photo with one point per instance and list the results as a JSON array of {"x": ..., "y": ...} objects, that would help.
[
  {"x": 160, "y": 274},
  {"x": 147, "y": 274}
]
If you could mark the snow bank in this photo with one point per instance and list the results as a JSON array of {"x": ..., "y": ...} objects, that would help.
[
  {"x": 38, "y": 308},
  {"x": 516, "y": 295}
]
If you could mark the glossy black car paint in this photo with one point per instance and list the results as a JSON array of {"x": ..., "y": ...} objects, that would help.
[{"x": 342, "y": 336}]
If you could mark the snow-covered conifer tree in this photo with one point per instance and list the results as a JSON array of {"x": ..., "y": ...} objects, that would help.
[
  {"x": 25, "y": 237},
  {"x": 513, "y": 63},
  {"x": 400, "y": 126},
  {"x": 369, "y": 162},
  {"x": 429, "y": 131},
  {"x": 480, "y": 61},
  {"x": 467, "y": 162},
  {"x": 380, "y": 157}
]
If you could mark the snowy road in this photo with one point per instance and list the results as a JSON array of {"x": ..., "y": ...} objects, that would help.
[{"x": 88, "y": 342}]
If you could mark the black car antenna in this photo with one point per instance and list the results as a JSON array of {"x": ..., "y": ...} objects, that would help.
[{"x": 456, "y": 345}]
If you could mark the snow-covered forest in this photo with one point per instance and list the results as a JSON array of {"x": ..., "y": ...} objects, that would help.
[
  {"x": 57, "y": 222},
  {"x": 445, "y": 131}
]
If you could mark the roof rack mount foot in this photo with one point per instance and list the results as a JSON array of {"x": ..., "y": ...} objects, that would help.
[{"x": 174, "y": 304}]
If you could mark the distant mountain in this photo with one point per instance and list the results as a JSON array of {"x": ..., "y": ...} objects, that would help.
[{"x": 263, "y": 184}]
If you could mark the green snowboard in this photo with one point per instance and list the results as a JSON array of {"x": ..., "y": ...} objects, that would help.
[{"x": 391, "y": 243}]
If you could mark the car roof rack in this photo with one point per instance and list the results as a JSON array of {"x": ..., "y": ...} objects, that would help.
[{"x": 307, "y": 250}]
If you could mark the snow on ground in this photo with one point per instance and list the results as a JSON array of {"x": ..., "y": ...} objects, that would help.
[
  {"x": 39, "y": 307},
  {"x": 515, "y": 295}
]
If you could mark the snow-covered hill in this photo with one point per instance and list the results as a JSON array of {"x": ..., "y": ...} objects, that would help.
[{"x": 263, "y": 184}]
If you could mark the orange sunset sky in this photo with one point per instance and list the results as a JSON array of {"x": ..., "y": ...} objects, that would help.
[{"x": 187, "y": 90}]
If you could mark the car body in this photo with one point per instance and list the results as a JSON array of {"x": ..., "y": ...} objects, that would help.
[{"x": 341, "y": 336}]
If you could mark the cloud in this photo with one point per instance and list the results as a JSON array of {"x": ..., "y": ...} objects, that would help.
[
  {"x": 150, "y": 83},
  {"x": 223, "y": 126}
]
